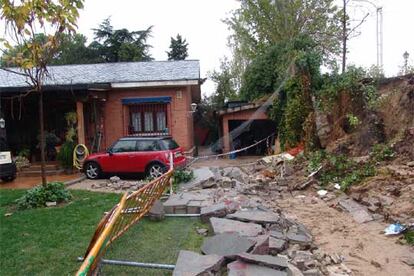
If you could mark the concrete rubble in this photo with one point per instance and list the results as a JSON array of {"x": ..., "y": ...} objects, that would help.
[
  {"x": 251, "y": 239},
  {"x": 193, "y": 264}
]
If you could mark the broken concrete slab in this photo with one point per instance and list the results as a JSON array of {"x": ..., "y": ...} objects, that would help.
[
  {"x": 262, "y": 245},
  {"x": 256, "y": 216},
  {"x": 157, "y": 213},
  {"x": 238, "y": 268},
  {"x": 216, "y": 210},
  {"x": 221, "y": 225},
  {"x": 276, "y": 245},
  {"x": 357, "y": 211},
  {"x": 236, "y": 173},
  {"x": 227, "y": 244},
  {"x": 276, "y": 262},
  {"x": 193, "y": 264},
  {"x": 362, "y": 216},
  {"x": 181, "y": 202},
  {"x": 201, "y": 176}
]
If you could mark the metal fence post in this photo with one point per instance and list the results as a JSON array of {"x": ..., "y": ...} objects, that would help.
[{"x": 171, "y": 167}]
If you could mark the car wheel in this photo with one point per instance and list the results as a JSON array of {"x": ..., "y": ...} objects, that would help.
[
  {"x": 155, "y": 170},
  {"x": 92, "y": 170},
  {"x": 8, "y": 178}
]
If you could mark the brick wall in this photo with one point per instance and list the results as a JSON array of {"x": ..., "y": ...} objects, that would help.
[{"x": 180, "y": 121}]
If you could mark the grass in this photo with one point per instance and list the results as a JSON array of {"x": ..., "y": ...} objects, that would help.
[{"x": 47, "y": 241}]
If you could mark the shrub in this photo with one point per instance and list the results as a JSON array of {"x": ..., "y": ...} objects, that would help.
[
  {"x": 382, "y": 152},
  {"x": 39, "y": 195},
  {"x": 182, "y": 176},
  {"x": 65, "y": 155}
]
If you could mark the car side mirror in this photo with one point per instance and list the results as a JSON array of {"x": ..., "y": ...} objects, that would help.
[{"x": 110, "y": 152}]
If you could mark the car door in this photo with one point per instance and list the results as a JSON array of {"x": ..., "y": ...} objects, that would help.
[
  {"x": 121, "y": 156},
  {"x": 146, "y": 152}
]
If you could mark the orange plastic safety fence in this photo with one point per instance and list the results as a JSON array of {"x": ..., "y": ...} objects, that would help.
[{"x": 126, "y": 213}]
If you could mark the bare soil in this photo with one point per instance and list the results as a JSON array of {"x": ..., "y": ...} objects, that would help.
[{"x": 366, "y": 250}]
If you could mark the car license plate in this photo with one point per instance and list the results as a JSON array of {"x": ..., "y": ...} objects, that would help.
[{"x": 5, "y": 157}]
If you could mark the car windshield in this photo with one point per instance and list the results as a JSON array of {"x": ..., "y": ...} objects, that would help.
[{"x": 169, "y": 144}]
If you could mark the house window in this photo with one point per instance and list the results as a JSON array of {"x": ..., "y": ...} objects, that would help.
[
  {"x": 148, "y": 119},
  {"x": 136, "y": 121},
  {"x": 161, "y": 121}
]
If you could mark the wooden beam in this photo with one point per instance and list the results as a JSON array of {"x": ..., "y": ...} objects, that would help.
[{"x": 81, "y": 123}]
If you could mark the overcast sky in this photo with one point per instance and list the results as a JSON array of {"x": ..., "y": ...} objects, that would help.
[{"x": 200, "y": 23}]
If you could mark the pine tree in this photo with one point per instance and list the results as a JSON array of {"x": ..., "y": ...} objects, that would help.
[{"x": 179, "y": 50}]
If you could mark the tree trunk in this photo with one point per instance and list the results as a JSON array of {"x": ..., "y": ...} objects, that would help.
[
  {"x": 42, "y": 139},
  {"x": 344, "y": 38}
]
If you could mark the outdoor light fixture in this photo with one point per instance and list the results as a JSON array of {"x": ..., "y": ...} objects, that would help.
[
  {"x": 2, "y": 123},
  {"x": 193, "y": 107}
]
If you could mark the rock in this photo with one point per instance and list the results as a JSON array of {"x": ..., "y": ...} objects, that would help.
[
  {"x": 256, "y": 216},
  {"x": 114, "y": 179},
  {"x": 312, "y": 272},
  {"x": 236, "y": 173},
  {"x": 262, "y": 245},
  {"x": 202, "y": 231},
  {"x": 323, "y": 128},
  {"x": 227, "y": 182},
  {"x": 338, "y": 270},
  {"x": 276, "y": 262},
  {"x": 361, "y": 216},
  {"x": 157, "y": 213},
  {"x": 294, "y": 271},
  {"x": 216, "y": 210},
  {"x": 201, "y": 176},
  {"x": 50, "y": 203},
  {"x": 410, "y": 164},
  {"x": 298, "y": 233},
  {"x": 277, "y": 234},
  {"x": 276, "y": 245},
  {"x": 408, "y": 260},
  {"x": 220, "y": 226},
  {"x": 227, "y": 244},
  {"x": 357, "y": 211},
  {"x": 239, "y": 268},
  {"x": 193, "y": 264}
]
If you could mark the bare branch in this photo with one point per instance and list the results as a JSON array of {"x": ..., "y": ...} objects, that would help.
[
  {"x": 360, "y": 23},
  {"x": 14, "y": 72}
]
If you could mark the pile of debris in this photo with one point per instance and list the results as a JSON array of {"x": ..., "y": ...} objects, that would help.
[
  {"x": 246, "y": 238},
  {"x": 255, "y": 242},
  {"x": 117, "y": 184}
]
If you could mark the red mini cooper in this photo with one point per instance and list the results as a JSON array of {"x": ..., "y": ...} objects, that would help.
[{"x": 149, "y": 155}]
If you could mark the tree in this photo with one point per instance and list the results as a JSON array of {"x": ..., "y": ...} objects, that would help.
[
  {"x": 121, "y": 45},
  {"x": 225, "y": 85},
  {"x": 71, "y": 50},
  {"x": 179, "y": 48},
  {"x": 348, "y": 31},
  {"x": 258, "y": 25},
  {"x": 23, "y": 21}
]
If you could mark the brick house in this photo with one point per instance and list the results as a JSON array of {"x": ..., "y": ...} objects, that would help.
[{"x": 111, "y": 100}]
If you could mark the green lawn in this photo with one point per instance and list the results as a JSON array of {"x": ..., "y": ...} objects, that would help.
[{"x": 47, "y": 241}]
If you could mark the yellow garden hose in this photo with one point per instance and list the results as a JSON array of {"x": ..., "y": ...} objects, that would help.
[{"x": 80, "y": 152}]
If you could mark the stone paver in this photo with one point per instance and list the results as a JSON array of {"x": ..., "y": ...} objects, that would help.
[
  {"x": 239, "y": 268},
  {"x": 216, "y": 210},
  {"x": 256, "y": 216},
  {"x": 227, "y": 244},
  {"x": 201, "y": 176},
  {"x": 221, "y": 225},
  {"x": 193, "y": 264},
  {"x": 279, "y": 263}
]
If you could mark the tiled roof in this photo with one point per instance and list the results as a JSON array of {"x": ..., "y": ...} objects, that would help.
[{"x": 119, "y": 72}]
